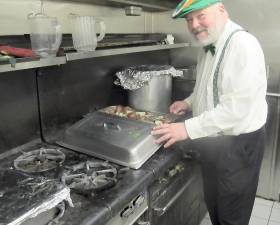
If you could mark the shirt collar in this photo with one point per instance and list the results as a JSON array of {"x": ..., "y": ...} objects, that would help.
[{"x": 228, "y": 29}]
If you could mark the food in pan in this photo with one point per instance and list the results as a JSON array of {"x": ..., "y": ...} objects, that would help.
[{"x": 128, "y": 112}]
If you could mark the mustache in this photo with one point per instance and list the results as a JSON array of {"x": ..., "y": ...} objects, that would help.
[{"x": 196, "y": 31}]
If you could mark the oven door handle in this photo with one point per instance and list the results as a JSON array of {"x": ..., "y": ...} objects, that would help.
[{"x": 162, "y": 210}]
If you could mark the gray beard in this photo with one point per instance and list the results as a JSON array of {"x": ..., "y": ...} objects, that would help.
[{"x": 214, "y": 34}]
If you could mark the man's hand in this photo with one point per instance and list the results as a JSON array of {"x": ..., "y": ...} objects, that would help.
[
  {"x": 179, "y": 107},
  {"x": 170, "y": 133}
]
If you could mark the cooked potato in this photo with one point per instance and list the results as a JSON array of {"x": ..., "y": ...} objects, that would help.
[
  {"x": 119, "y": 109},
  {"x": 142, "y": 114},
  {"x": 158, "y": 122},
  {"x": 128, "y": 112},
  {"x": 132, "y": 115},
  {"x": 128, "y": 109}
]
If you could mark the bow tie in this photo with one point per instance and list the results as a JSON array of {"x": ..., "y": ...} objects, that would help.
[{"x": 210, "y": 48}]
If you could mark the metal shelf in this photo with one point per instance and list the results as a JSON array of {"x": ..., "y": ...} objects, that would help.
[
  {"x": 40, "y": 62},
  {"x": 52, "y": 61},
  {"x": 120, "y": 51},
  {"x": 149, "y": 5}
]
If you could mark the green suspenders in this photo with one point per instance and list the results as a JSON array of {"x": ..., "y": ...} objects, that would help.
[{"x": 215, "y": 78}]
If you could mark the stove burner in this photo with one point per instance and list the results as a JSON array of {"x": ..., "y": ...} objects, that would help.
[
  {"x": 90, "y": 177},
  {"x": 39, "y": 160}
]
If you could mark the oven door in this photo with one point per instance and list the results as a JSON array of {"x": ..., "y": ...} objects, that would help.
[{"x": 179, "y": 201}]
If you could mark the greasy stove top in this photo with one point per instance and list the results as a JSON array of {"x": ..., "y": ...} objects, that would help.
[
  {"x": 90, "y": 207},
  {"x": 39, "y": 177}
]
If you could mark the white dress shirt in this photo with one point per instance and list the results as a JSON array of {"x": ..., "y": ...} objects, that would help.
[{"x": 242, "y": 84}]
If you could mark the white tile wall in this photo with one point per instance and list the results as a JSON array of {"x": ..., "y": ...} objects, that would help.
[{"x": 275, "y": 215}]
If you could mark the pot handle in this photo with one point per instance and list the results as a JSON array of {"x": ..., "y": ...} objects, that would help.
[
  {"x": 30, "y": 15},
  {"x": 102, "y": 29},
  {"x": 58, "y": 37}
]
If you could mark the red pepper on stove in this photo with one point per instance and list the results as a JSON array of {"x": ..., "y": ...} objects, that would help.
[{"x": 19, "y": 52}]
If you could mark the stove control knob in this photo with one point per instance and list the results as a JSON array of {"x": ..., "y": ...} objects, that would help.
[
  {"x": 139, "y": 201},
  {"x": 127, "y": 211},
  {"x": 140, "y": 222}
]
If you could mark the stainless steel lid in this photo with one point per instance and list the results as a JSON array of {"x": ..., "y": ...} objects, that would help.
[
  {"x": 111, "y": 135},
  {"x": 120, "y": 140}
]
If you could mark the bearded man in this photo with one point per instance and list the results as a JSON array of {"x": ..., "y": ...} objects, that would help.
[{"x": 226, "y": 132}]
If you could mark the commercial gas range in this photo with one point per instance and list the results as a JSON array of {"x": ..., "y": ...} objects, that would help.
[
  {"x": 47, "y": 184},
  {"x": 113, "y": 195}
]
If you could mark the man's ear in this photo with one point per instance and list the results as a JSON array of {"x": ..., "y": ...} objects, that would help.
[{"x": 221, "y": 7}]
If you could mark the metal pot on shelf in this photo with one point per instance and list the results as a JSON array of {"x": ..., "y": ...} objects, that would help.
[{"x": 150, "y": 86}]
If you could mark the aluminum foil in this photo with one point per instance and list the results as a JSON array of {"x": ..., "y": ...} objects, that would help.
[
  {"x": 136, "y": 77},
  {"x": 25, "y": 196}
]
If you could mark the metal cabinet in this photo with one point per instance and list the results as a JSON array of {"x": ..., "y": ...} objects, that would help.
[
  {"x": 269, "y": 182},
  {"x": 176, "y": 199}
]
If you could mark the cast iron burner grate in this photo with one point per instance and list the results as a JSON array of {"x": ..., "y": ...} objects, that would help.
[
  {"x": 39, "y": 160},
  {"x": 90, "y": 177}
]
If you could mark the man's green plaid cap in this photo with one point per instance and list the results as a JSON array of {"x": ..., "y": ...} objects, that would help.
[{"x": 187, "y": 6}]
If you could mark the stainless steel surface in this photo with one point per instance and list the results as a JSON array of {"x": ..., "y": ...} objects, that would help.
[
  {"x": 133, "y": 11},
  {"x": 182, "y": 87},
  {"x": 51, "y": 61},
  {"x": 149, "y": 5},
  {"x": 155, "y": 96},
  {"x": 176, "y": 196},
  {"x": 119, "y": 51},
  {"x": 275, "y": 165},
  {"x": 276, "y": 171},
  {"x": 88, "y": 86},
  {"x": 162, "y": 210},
  {"x": 125, "y": 142},
  {"x": 142, "y": 222},
  {"x": 131, "y": 212},
  {"x": 188, "y": 73},
  {"x": 269, "y": 181}
]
